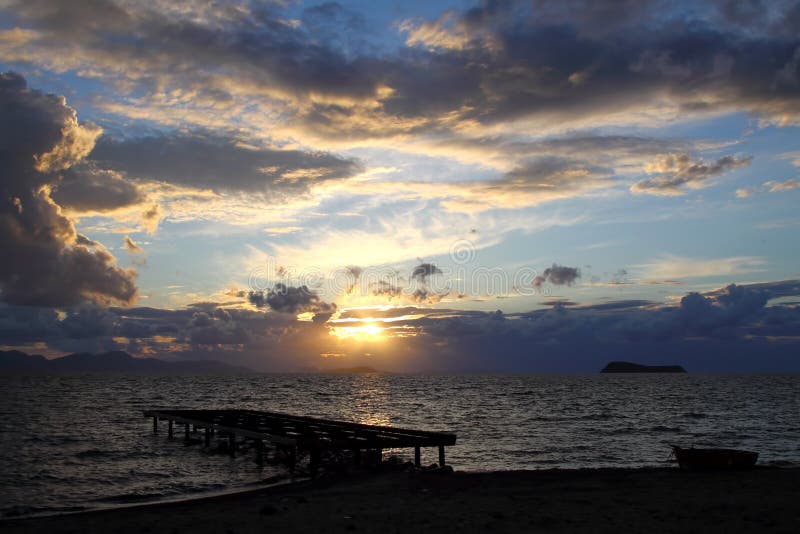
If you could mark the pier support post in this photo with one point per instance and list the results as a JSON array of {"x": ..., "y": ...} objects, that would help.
[
  {"x": 232, "y": 444},
  {"x": 417, "y": 456},
  {"x": 155, "y": 424},
  {"x": 259, "y": 452},
  {"x": 313, "y": 463},
  {"x": 169, "y": 430},
  {"x": 441, "y": 455},
  {"x": 292, "y": 460},
  {"x": 186, "y": 432},
  {"x": 357, "y": 457},
  {"x": 208, "y": 438}
]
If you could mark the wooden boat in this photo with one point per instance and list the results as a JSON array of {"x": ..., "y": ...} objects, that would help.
[{"x": 714, "y": 458}]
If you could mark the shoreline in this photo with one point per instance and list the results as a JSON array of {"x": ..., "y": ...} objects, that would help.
[
  {"x": 620, "y": 500},
  {"x": 198, "y": 497}
]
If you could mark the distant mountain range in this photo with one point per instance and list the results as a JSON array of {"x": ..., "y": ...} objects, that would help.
[
  {"x": 16, "y": 362},
  {"x": 359, "y": 370},
  {"x": 351, "y": 370}
]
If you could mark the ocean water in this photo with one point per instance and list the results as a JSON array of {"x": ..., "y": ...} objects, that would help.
[{"x": 76, "y": 442}]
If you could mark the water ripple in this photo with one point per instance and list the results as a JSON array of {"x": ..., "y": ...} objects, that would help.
[{"x": 71, "y": 441}]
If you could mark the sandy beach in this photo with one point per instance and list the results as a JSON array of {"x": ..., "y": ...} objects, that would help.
[{"x": 600, "y": 500}]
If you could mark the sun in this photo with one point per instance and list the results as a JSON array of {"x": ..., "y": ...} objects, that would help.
[{"x": 365, "y": 332}]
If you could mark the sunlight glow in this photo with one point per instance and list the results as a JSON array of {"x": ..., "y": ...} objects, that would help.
[{"x": 366, "y": 332}]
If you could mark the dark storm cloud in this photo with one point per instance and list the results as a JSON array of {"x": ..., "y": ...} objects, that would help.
[
  {"x": 216, "y": 328},
  {"x": 704, "y": 333},
  {"x": 256, "y": 46},
  {"x": 773, "y": 290},
  {"x": 559, "y": 275},
  {"x": 676, "y": 171},
  {"x": 45, "y": 262},
  {"x": 732, "y": 312},
  {"x": 91, "y": 328},
  {"x": 558, "y": 61},
  {"x": 219, "y": 162},
  {"x": 545, "y": 59},
  {"x": 27, "y": 324},
  {"x": 337, "y": 27},
  {"x": 288, "y": 299},
  {"x": 731, "y": 328},
  {"x": 619, "y": 305},
  {"x": 87, "y": 189}
]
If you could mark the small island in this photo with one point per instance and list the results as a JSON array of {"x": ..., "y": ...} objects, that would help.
[{"x": 628, "y": 367}]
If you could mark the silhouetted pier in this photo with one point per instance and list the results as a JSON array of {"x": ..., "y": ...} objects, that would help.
[{"x": 293, "y": 435}]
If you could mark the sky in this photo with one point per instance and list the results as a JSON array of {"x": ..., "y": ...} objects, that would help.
[{"x": 496, "y": 186}]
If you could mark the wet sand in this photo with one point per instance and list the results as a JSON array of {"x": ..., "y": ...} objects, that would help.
[{"x": 604, "y": 500}]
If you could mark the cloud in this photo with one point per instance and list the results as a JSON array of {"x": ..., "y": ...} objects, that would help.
[
  {"x": 678, "y": 171},
  {"x": 719, "y": 330},
  {"x": 559, "y": 275},
  {"x": 423, "y": 271},
  {"x": 542, "y": 62},
  {"x": 288, "y": 299},
  {"x": 778, "y": 187},
  {"x": 771, "y": 186},
  {"x": 520, "y": 65},
  {"x": 354, "y": 273},
  {"x": 670, "y": 267},
  {"x": 136, "y": 252},
  {"x": 216, "y": 328},
  {"x": 383, "y": 288},
  {"x": 534, "y": 181},
  {"x": 219, "y": 162},
  {"x": 793, "y": 156},
  {"x": 150, "y": 217},
  {"x": 46, "y": 262},
  {"x": 426, "y": 296},
  {"x": 420, "y": 295},
  {"x": 445, "y": 32},
  {"x": 132, "y": 247},
  {"x": 568, "y": 337},
  {"x": 493, "y": 79},
  {"x": 85, "y": 189}
]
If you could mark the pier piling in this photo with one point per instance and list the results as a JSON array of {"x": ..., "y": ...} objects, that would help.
[
  {"x": 260, "y": 452},
  {"x": 290, "y": 434}
]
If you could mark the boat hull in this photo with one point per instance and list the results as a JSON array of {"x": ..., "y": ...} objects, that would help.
[{"x": 715, "y": 459}]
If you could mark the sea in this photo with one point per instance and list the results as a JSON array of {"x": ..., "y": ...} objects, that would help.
[{"x": 70, "y": 443}]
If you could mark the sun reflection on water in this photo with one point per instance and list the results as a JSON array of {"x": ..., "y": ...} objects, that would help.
[{"x": 369, "y": 394}]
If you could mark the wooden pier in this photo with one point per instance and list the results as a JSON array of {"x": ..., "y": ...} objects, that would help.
[{"x": 294, "y": 435}]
